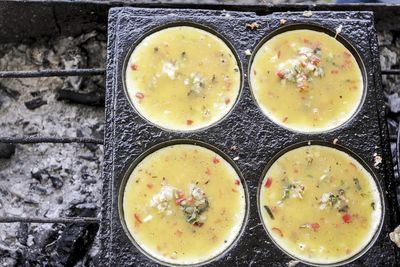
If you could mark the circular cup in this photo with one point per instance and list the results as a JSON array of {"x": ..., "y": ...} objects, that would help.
[
  {"x": 341, "y": 40},
  {"x": 218, "y": 38},
  {"x": 353, "y": 156},
  {"x": 162, "y": 145}
]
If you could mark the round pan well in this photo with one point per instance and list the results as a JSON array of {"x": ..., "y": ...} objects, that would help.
[
  {"x": 182, "y": 77},
  {"x": 159, "y": 192},
  {"x": 320, "y": 203},
  {"x": 307, "y": 79}
]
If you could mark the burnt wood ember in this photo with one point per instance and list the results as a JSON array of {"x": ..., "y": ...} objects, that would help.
[
  {"x": 73, "y": 244},
  {"x": 56, "y": 181},
  {"x": 23, "y": 233},
  {"x": 38, "y": 174},
  {"x": 91, "y": 99},
  {"x": 14, "y": 94},
  {"x": 35, "y": 103},
  {"x": 6, "y": 150},
  {"x": 75, "y": 240}
]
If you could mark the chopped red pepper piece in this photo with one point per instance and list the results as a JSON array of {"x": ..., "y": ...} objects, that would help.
[
  {"x": 179, "y": 200},
  {"x": 237, "y": 182},
  {"x": 134, "y": 67},
  {"x": 280, "y": 74},
  {"x": 181, "y": 194},
  {"x": 149, "y": 185},
  {"x": 346, "y": 218},
  {"x": 215, "y": 160},
  {"x": 189, "y": 122},
  {"x": 178, "y": 233},
  {"x": 139, "y": 95},
  {"x": 346, "y": 54},
  {"x": 268, "y": 183},
  {"x": 227, "y": 101},
  {"x": 278, "y": 231},
  {"x": 353, "y": 165},
  {"x": 315, "y": 226},
  {"x": 228, "y": 83},
  {"x": 315, "y": 60},
  {"x": 198, "y": 224},
  {"x": 137, "y": 217},
  {"x": 334, "y": 71}
]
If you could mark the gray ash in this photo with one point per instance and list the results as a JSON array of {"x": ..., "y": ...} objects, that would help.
[
  {"x": 389, "y": 42},
  {"x": 51, "y": 180}
]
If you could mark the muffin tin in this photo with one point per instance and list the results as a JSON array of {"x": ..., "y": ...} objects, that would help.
[{"x": 245, "y": 135}]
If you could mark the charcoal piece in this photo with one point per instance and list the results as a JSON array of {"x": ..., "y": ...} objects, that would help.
[
  {"x": 91, "y": 99},
  {"x": 35, "y": 103},
  {"x": 73, "y": 244},
  {"x": 60, "y": 200},
  {"x": 38, "y": 253},
  {"x": 88, "y": 158},
  {"x": 76, "y": 239},
  {"x": 6, "y": 150},
  {"x": 10, "y": 92},
  {"x": 35, "y": 93},
  {"x": 39, "y": 174},
  {"x": 91, "y": 147},
  {"x": 23, "y": 233},
  {"x": 39, "y": 189},
  {"x": 57, "y": 182},
  {"x": 83, "y": 209},
  {"x": 31, "y": 200},
  {"x": 98, "y": 130}
]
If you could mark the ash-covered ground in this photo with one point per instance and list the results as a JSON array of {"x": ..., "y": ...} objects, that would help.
[
  {"x": 51, "y": 180},
  {"x": 55, "y": 180},
  {"x": 389, "y": 43}
]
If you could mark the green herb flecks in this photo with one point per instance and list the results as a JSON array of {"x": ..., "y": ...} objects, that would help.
[
  {"x": 357, "y": 184},
  {"x": 271, "y": 215},
  {"x": 194, "y": 206}
]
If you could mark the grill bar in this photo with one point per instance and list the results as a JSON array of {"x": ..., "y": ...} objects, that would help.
[
  {"x": 52, "y": 73},
  {"x": 46, "y": 139},
  {"x": 78, "y": 220},
  {"x": 391, "y": 72},
  {"x": 91, "y": 72}
]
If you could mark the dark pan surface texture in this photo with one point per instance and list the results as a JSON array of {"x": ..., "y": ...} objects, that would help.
[{"x": 256, "y": 138}]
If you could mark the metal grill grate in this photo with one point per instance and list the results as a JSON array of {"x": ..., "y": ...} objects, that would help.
[
  {"x": 49, "y": 139},
  {"x": 64, "y": 140}
]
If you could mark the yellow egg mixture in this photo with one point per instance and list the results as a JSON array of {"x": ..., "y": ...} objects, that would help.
[
  {"x": 319, "y": 204},
  {"x": 183, "y": 78},
  {"x": 306, "y": 81},
  {"x": 184, "y": 204}
]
